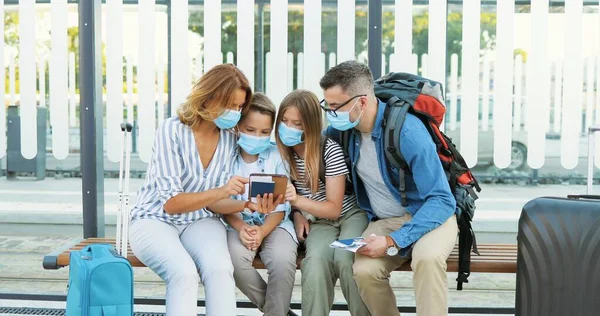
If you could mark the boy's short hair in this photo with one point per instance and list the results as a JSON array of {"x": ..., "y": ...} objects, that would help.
[{"x": 262, "y": 104}]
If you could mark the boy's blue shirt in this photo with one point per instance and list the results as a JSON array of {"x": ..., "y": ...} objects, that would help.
[
  {"x": 270, "y": 162},
  {"x": 430, "y": 201}
]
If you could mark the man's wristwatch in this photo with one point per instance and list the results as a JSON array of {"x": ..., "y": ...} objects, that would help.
[{"x": 392, "y": 250}]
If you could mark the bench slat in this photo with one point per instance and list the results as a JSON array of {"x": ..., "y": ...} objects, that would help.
[{"x": 500, "y": 258}]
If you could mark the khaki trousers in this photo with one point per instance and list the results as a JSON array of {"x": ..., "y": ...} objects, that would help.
[{"x": 429, "y": 257}]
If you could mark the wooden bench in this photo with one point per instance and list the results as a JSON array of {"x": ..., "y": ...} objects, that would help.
[{"x": 493, "y": 258}]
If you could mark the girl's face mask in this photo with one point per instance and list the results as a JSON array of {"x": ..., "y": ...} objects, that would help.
[{"x": 290, "y": 136}]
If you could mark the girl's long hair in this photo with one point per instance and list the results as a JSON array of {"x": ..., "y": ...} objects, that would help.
[{"x": 310, "y": 112}]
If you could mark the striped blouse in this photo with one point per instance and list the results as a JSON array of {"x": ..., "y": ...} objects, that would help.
[
  {"x": 335, "y": 165},
  {"x": 175, "y": 167}
]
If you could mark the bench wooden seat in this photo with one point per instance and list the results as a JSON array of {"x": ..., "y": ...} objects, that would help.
[{"x": 493, "y": 258}]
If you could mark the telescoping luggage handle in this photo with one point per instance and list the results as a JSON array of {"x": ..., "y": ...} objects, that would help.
[
  {"x": 592, "y": 130},
  {"x": 123, "y": 213}
]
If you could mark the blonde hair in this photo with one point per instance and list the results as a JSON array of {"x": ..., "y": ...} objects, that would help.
[
  {"x": 262, "y": 104},
  {"x": 310, "y": 112},
  {"x": 213, "y": 94}
]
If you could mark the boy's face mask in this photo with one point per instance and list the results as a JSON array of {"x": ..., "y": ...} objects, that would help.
[{"x": 254, "y": 145}]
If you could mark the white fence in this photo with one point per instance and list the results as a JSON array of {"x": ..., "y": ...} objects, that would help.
[{"x": 533, "y": 94}]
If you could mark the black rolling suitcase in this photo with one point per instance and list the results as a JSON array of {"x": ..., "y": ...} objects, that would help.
[{"x": 558, "y": 261}]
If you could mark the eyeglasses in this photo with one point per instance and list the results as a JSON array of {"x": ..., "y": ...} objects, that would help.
[{"x": 327, "y": 108}]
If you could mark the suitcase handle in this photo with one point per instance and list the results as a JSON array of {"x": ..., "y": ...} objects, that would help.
[{"x": 583, "y": 196}]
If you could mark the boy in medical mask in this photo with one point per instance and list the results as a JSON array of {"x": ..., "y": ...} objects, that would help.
[{"x": 271, "y": 236}]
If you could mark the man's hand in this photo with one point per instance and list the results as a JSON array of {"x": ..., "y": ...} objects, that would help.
[
  {"x": 265, "y": 205},
  {"x": 302, "y": 226},
  {"x": 235, "y": 186},
  {"x": 257, "y": 235},
  {"x": 375, "y": 248}
]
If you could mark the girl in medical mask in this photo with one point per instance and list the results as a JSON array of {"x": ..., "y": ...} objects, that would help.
[
  {"x": 272, "y": 236},
  {"x": 321, "y": 211}
]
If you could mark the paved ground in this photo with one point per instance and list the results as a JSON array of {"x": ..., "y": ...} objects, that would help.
[{"x": 38, "y": 216}]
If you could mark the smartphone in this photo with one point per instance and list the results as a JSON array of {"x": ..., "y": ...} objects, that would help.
[{"x": 263, "y": 183}]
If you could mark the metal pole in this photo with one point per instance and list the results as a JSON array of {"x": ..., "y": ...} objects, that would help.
[
  {"x": 91, "y": 109},
  {"x": 374, "y": 37},
  {"x": 170, "y": 97},
  {"x": 260, "y": 48}
]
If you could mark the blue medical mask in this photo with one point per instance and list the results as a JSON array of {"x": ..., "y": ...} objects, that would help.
[
  {"x": 289, "y": 136},
  {"x": 342, "y": 121},
  {"x": 254, "y": 145},
  {"x": 228, "y": 119}
]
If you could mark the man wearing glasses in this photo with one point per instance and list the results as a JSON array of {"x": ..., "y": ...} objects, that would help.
[{"x": 425, "y": 230}]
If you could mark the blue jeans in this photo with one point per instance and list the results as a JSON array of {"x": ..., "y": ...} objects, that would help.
[{"x": 177, "y": 253}]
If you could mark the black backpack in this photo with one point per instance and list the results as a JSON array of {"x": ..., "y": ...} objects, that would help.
[{"x": 406, "y": 93}]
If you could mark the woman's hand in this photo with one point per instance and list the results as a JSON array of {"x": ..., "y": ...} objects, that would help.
[
  {"x": 290, "y": 194},
  {"x": 235, "y": 186},
  {"x": 302, "y": 226}
]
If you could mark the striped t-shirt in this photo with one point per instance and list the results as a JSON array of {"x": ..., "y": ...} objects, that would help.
[
  {"x": 335, "y": 165},
  {"x": 176, "y": 167}
]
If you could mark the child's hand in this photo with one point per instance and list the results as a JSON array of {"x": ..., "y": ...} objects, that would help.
[
  {"x": 265, "y": 204},
  {"x": 245, "y": 237},
  {"x": 290, "y": 194},
  {"x": 302, "y": 226},
  {"x": 257, "y": 235}
]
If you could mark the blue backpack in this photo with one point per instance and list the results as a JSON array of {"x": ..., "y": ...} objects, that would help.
[{"x": 100, "y": 283}]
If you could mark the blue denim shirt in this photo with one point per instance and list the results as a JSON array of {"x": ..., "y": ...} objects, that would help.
[{"x": 430, "y": 201}]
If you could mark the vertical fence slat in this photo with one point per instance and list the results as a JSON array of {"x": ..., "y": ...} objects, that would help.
[
  {"x": 290, "y": 69},
  {"x": 27, "y": 78},
  {"x": 12, "y": 78},
  {"x": 558, "y": 84},
  {"x": 146, "y": 78},
  {"x": 129, "y": 75},
  {"x": 345, "y": 30},
  {"x": 59, "y": 79},
  {"x": 160, "y": 90},
  {"x": 453, "y": 90},
  {"x": 229, "y": 59},
  {"x": 518, "y": 92},
  {"x": 212, "y": 34},
  {"x": 245, "y": 38},
  {"x": 572, "y": 92},
  {"x": 180, "y": 56},
  {"x": 114, "y": 78},
  {"x": 414, "y": 63},
  {"x": 300, "y": 74},
  {"x": 199, "y": 66},
  {"x": 436, "y": 68},
  {"x": 403, "y": 16},
  {"x": 332, "y": 60},
  {"x": 312, "y": 45},
  {"x": 485, "y": 94},
  {"x": 589, "y": 84},
  {"x": 503, "y": 83},
  {"x": 72, "y": 88},
  {"x": 3, "y": 140},
  {"x": 469, "y": 112},
  {"x": 383, "y": 65},
  {"x": 42, "y": 80},
  {"x": 276, "y": 88},
  {"x": 538, "y": 85},
  {"x": 425, "y": 65}
]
